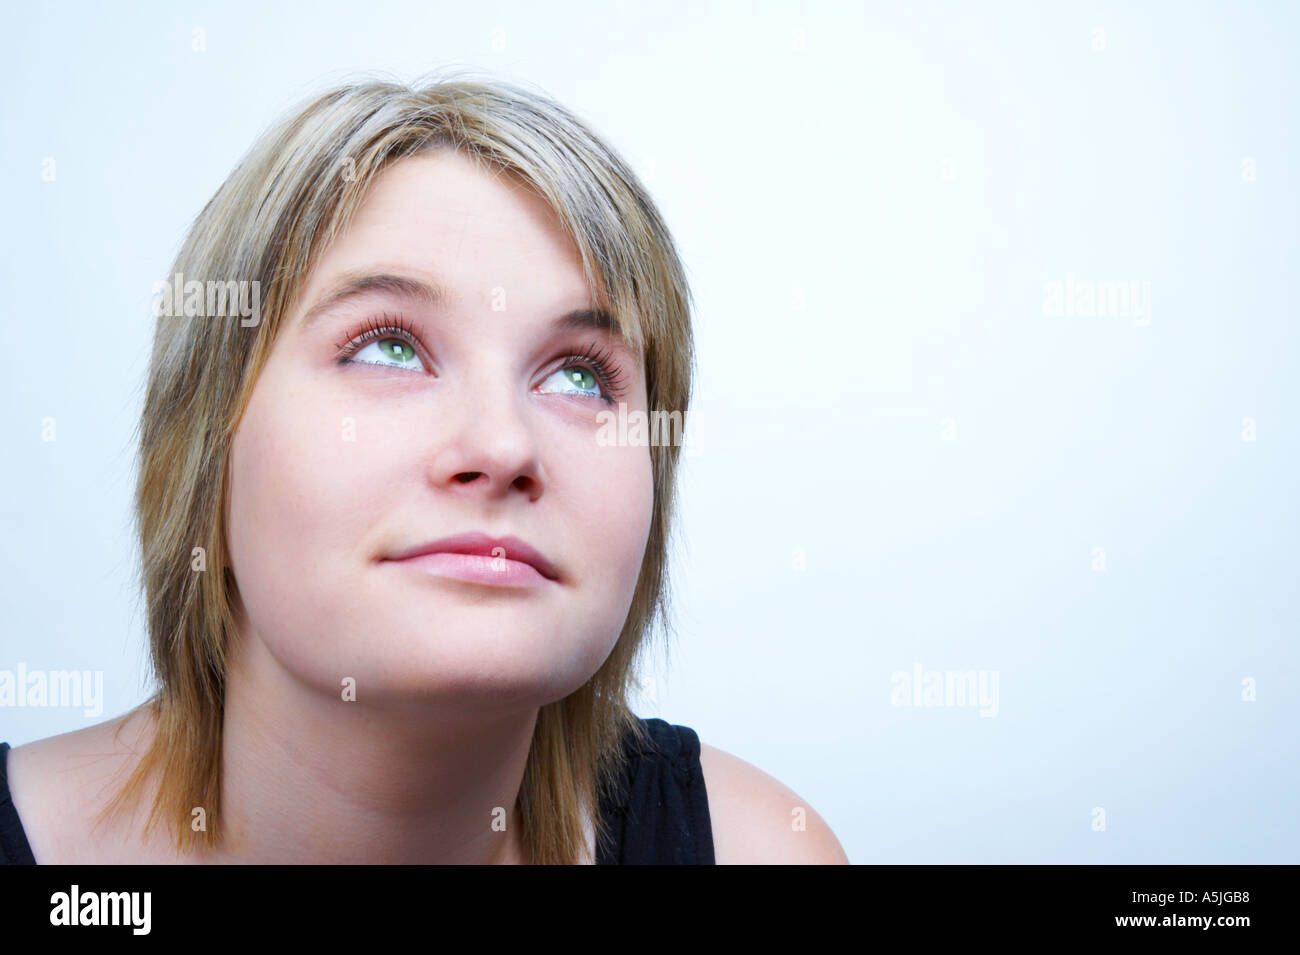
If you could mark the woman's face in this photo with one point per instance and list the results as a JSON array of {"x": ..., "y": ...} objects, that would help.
[{"x": 356, "y": 449}]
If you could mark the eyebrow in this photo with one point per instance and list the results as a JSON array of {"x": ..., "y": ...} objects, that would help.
[
  {"x": 436, "y": 296},
  {"x": 399, "y": 286}
]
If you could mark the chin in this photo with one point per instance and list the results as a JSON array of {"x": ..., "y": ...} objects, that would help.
[{"x": 486, "y": 659}]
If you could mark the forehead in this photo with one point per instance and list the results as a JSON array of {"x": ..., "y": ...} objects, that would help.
[
  {"x": 437, "y": 230},
  {"x": 476, "y": 229}
]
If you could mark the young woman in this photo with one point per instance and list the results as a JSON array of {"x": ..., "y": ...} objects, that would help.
[{"x": 397, "y": 574}]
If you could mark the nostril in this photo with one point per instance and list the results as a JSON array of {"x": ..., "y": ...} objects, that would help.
[{"x": 468, "y": 476}]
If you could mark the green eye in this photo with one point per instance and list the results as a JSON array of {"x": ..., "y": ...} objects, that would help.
[
  {"x": 393, "y": 352},
  {"x": 385, "y": 340},
  {"x": 592, "y": 372},
  {"x": 399, "y": 350},
  {"x": 584, "y": 378},
  {"x": 579, "y": 379}
]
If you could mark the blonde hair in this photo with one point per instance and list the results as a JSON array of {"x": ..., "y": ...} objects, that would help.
[{"x": 287, "y": 201}]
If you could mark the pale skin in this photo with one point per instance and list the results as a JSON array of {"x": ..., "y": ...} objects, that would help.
[{"x": 480, "y": 424}]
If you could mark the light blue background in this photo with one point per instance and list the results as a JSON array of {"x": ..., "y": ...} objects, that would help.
[{"x": 871, "y": 200}]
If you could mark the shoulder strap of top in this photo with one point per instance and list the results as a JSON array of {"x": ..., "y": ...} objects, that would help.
[
  {"x": 14, "y": 847},
  {"x": 660, "y": 816}
]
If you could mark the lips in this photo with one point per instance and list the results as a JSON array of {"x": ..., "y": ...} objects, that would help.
[{"x": 483, "y": 545}]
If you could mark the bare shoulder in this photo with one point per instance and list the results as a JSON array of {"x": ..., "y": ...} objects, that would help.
[
  {"x": 58, "y": 784},
  {"x": 758, "y": 820}
]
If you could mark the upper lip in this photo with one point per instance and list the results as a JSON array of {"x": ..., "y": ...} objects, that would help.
[{"x": 484, "y": 545}]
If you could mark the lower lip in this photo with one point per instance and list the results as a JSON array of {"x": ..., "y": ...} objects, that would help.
[{"x": 493, "y": 571}]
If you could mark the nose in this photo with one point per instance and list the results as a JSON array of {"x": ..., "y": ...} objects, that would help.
[{"x": 486, "y": 444}]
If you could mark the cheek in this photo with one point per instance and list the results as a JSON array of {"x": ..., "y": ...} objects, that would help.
[
  {"x": 613, "y": 519},
  {"x": 294, "y": 485},
  {"x": 278, "y": 483}
]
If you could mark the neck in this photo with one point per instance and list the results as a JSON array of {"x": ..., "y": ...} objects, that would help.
[{"x": 311, "y": 778}]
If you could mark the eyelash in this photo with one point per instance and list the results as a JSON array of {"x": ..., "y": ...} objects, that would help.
[{"x": 598, "y": 360}]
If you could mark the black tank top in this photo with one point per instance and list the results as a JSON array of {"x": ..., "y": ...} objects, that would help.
[{"x": 659, "y": 816}]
